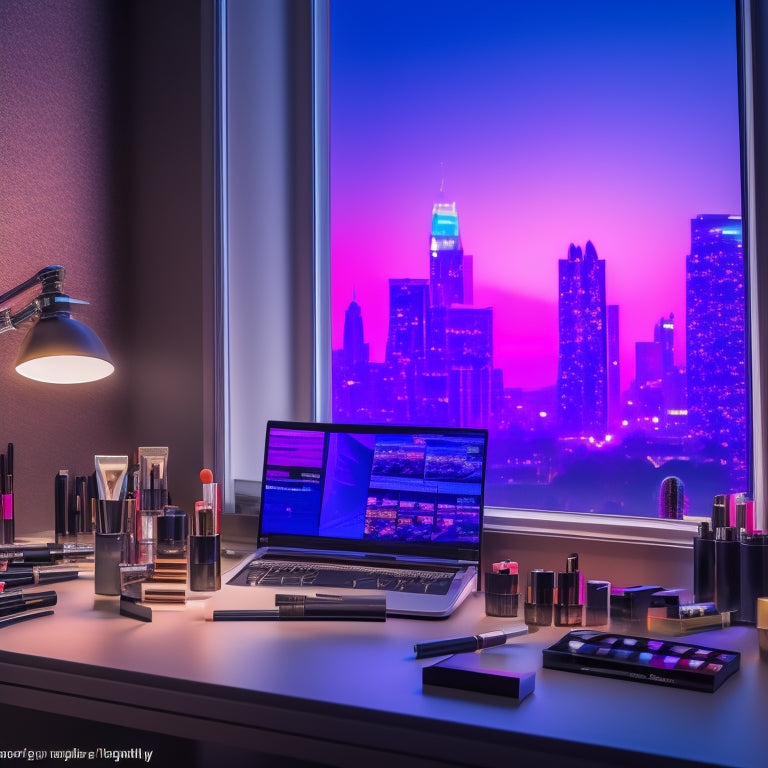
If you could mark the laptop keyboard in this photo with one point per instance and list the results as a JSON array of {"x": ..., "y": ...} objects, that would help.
[{"x": 279, "y": 573}]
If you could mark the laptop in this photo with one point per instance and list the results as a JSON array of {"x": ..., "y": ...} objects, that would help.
[{"x": 393, "y": 509}]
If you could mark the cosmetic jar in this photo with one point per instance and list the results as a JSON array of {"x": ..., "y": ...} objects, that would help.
[
  {"x": 501, "y": 594},
  {"x": 540, "y": 598}
]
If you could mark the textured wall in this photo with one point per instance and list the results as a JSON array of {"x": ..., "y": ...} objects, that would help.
[{"x": 60, "y": 204}]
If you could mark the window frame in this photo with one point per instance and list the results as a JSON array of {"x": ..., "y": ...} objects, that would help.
[{"x": 501, "y": 519}]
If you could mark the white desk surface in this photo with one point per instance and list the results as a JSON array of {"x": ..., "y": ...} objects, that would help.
[{"x": 350, "y": 693}]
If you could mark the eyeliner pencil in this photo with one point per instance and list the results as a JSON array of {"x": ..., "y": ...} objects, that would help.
[
  {"x": 374, "y": 610},
  {"x": 35, "y": 576},
  {"x": 276, "y": 615},
  {"x": 466, "y": 644},
  {"x": 15, "y": 619}
]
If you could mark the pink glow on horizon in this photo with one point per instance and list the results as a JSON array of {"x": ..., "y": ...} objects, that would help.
[
  {"x": 523, "y": 292},
  {"x": 575, "y": 149}
]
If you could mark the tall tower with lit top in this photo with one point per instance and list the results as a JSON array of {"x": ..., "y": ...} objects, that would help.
[{"x": 446, "y": 256}]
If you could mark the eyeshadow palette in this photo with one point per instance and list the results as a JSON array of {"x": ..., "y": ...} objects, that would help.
[{"x": 642, "y": 659}]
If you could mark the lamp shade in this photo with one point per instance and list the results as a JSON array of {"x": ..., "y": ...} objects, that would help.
[{"x": 60, "y": 350}]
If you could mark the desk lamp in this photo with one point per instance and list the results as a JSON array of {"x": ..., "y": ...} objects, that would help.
[{"x": 57, "y": 349}]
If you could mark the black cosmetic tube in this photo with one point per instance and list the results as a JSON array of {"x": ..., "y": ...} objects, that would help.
[
  {"x": 204, "y": 544},
  {"x": 720, "y": 517},
  {"x": 727, "y": 569},
  {"x": 754, "y": 574},
  {"x": 540, "y": 598},
  {"x": 568, "y": 604},
  {"x": 110, "y": 542},
  {"x": 704, "y": 565},
  {"x": 204, "y": 563}
]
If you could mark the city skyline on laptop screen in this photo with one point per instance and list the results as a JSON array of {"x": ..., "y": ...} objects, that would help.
[{"x": 376, "y": 485}]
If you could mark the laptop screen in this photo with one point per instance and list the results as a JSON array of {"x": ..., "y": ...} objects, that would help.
[{"x": 374, "y": 488}]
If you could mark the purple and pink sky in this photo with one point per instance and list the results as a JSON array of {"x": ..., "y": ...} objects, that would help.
[{"x": 550, "y": 123}]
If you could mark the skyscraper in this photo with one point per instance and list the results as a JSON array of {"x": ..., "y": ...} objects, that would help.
[
  {"x": 408, "y": 302},
  {"x": 614, "y": 367},
  {"x": 716, "y": 343},
  {"x": 356, "y": 351},
  {"x": 664, "y": 334},
  {"x": 446, "y": 257},
  {"x": 582, "y": 361}
]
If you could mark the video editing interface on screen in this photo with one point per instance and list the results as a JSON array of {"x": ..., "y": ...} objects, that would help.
[{"x": 415, "y": 487}]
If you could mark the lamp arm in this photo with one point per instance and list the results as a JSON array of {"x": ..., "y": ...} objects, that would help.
[
  {"x": 10, "y": 322},
  {"x": 51, "y": 279}
]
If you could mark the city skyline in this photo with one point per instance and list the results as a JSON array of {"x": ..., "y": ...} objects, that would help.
[
  {"x": 555, "y": 447},
  {"x": 548, "y": 126},
  {"x": 662, "y": 329}
]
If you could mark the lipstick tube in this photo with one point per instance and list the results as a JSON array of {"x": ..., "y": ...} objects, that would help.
[{"x": 204, "y": 542}]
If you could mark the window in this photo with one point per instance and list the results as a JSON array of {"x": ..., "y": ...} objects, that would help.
[
  {"x": 270, "y": 221},
  {"x": 536, "y": 226}
]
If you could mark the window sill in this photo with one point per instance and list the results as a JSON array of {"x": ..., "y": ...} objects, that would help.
[{"x": 635, "y": 530}]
